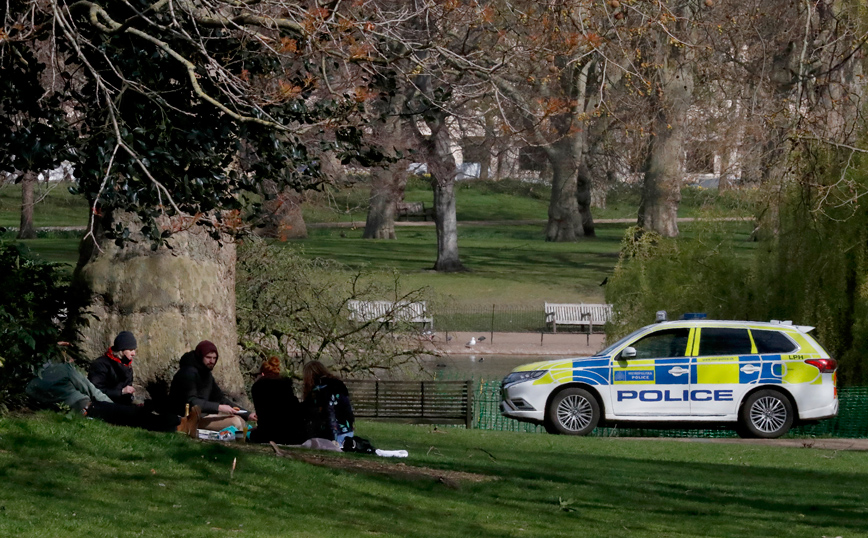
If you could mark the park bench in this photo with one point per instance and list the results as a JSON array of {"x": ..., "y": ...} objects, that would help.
[
  {"x": 390, "y": 312},
  {"x": 408, "y": 210},
  {"x": 413, "y": 402},
  {"x": 586, "y": 315}
]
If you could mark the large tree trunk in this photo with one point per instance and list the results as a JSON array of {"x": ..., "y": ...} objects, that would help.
[
  {"x": 171, "y": 299},
  {"x": 570, "y": 206},
  {"x": 664, "y": 165},
  {"x": 446, "y": 222},
  {"x": 387, "y": 189},
  {"x": 28, "y": 184},
  {"x": 583, "y": 199},
  {"x": 394, "y": 134},
  {"x": 661, "y": 190},
  {"x": 565, "y": 222},
  {"x": 443, "y": 170},
  {"x": 282, "y": 218}
]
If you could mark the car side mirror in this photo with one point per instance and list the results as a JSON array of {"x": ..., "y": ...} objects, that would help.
[{"x": 628, "y": 353}]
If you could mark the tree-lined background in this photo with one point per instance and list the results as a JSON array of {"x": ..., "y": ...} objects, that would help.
[{"x": 188, "y": 126}]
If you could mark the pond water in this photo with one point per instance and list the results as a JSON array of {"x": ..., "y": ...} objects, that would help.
[{"x": 479, "y": 367}]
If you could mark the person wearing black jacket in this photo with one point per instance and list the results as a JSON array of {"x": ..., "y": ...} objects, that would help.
[
  {"x": 194, "y": 385},
  {"x": 327, "y": 401},
  {"x": 279, "y": 413},
  {"x": 113, "y": 372}
]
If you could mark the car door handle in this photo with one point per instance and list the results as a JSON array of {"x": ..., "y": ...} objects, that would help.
[
  {"x": 750, "y": 369},
  {"x": 679, "y": 370}
]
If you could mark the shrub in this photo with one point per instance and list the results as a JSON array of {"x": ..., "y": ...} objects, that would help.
[
  {"x": 296, "y": 309},
  {"x": 700, "y": 274},
  {"x": 33, "y": 303},
  {"x": 811, "y": 265}
]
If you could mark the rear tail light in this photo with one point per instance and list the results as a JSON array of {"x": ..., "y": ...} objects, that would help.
[{"x": 826, "y": 366}]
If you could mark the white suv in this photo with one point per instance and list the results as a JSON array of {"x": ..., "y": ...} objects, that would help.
[{"x": 758, "y": 377}]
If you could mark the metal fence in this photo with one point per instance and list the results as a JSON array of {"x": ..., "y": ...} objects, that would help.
[
  {"x": 851, "y": 422},
  {"x": 489, "y": 318}
]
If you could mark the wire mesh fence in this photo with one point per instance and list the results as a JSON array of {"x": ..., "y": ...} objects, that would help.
[
  {"x": 851, "y": 422},
  {"x": 489, "y": 318}
]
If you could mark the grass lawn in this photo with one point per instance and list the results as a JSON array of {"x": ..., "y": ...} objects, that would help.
[
  {"x": 67, "y": 477},
  {"x": 509, "y": 200},
  {"x": 58, "y": 208},
  {"x": 506, "y": 264}
]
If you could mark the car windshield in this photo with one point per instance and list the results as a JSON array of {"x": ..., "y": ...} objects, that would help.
[{"x": 622, "y": 341}]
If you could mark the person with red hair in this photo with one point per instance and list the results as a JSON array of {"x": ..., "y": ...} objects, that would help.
[
  {"x": 194, "y": 386},
  {"x": 278, "y": 411}
]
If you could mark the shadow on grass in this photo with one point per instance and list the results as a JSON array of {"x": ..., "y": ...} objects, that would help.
[{"x": 120, "y": 481}]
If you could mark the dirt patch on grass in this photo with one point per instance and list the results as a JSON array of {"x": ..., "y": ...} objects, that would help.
[{"x": 371, "y": 464}]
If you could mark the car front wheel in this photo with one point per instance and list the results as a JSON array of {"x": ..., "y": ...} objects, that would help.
[
  {"x": 573, "y": 412},
  {"x": 766, "y": 414}
]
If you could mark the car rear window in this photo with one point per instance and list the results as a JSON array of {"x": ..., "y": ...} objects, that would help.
[
  {"x": 772, "y": 342},
  {"x": 718, "y": 341}
]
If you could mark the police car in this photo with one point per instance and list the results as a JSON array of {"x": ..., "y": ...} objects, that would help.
[{"x": 759, "y": 378}]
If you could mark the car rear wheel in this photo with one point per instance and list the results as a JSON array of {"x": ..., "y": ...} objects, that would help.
[
  {"x": 766, "y": 414},
  {"x": 573, "y": 412}
]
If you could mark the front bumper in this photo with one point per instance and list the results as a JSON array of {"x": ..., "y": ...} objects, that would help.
[{"x": 525, "y": 402}]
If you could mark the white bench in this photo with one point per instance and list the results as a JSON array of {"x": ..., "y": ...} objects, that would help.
[
  {"x": 590, "y": 315},
  {"x": 390, "y": 312}
]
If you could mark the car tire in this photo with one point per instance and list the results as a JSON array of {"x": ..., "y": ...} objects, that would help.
[
  {"x": 572, "y": 411},
  {"x": 766, "y": 414}
]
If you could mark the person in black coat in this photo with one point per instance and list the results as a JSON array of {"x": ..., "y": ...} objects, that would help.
[
  {"x": 194, "y": 385},
  {"x": 278, "y": 411},
  {"x": 327, "y": 402},
  {"x": 113, "y": 372}
]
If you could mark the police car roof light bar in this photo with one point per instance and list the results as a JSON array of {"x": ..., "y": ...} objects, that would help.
[{"x": 693, "y": 315}]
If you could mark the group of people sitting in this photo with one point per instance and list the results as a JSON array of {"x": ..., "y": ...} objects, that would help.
[{"x": 196, "y": 400}]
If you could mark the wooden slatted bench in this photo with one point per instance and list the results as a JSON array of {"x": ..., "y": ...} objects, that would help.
[
  {"x": 413, "y": 402},
  {"x": 390, "y": 312},
  {"x": 587, "y": 315}
]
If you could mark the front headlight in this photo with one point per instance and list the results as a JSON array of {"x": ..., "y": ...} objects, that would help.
[{"x": 521, "y": 377}]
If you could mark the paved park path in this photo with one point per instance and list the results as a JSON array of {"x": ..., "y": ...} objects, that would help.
[{"x": 503, "y": 343}]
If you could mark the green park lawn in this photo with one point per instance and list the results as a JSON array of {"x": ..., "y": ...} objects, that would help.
[
  {"x": 57, "y": 206},
  {"x": 507, "y": 264},
  {"x": 510, "y": 200},
  {"x": 67, "y": 477}
]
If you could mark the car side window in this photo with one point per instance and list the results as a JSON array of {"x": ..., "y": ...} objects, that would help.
[
  {"x": 718, "y": 341},
  {"x": 662, "y": 344},
  {"x": 772, "y": 342}
]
